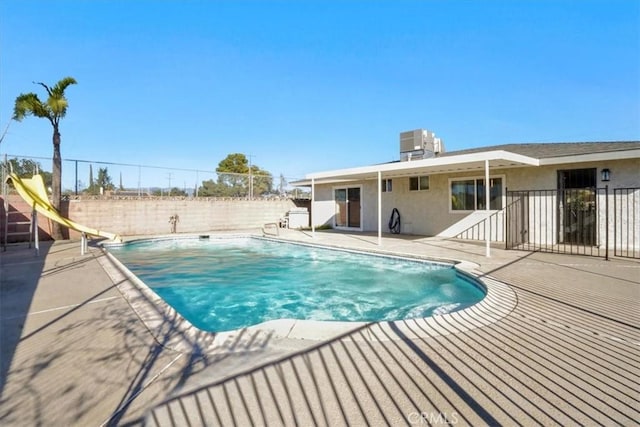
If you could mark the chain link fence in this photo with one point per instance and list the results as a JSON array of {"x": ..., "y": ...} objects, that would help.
[{"x": 93, "y": 178}]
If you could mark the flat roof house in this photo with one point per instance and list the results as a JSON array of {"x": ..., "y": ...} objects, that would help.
[{"x": 578, "y": 197}]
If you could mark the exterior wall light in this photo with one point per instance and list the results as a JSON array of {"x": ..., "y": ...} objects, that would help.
[{"x": 605, "y": 174}]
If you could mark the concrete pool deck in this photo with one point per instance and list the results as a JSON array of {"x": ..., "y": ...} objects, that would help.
[{"x": 74, "y": 352}]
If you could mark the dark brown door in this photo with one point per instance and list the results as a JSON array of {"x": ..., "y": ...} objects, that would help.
[{"x": 577, "y": 213}]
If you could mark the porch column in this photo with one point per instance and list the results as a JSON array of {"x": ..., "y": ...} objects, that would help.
[
  {"x": 487, "y": 235},
  {"x": 313, "y": 198},
  {"x": 379, "y": 208}
]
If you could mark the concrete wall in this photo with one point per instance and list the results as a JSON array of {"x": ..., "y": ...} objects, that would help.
[
  {"x": 149, "y": 217},
  {"x": 428, "y": 212}
]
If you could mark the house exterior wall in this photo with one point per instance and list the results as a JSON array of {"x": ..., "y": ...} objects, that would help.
[
  {"x": 428, "y": 212},
  {"x": 422, "y": 212},
  {"x": 624, "y": 173},
  {"x": 323, "y": 208},
  {"x": 545, "y": 227}
]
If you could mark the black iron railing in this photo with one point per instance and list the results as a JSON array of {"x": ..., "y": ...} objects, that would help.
[
  {"x": 586, "y": 221},
  {"x": 626, "y": 222}
]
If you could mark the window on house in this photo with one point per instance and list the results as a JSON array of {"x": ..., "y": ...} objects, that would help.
[
  {"x": 386, "y": 186},
  {"x": 469, "y": 194},
  {"x": 418, "y": 183}
]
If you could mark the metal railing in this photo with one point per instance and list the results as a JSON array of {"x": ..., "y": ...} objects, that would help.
[
  {"x": 589, "y": 221},
  {"x": 570, "y": 221},
  {"x": 626, "y": 222},
  {"x": 477, "y": 231}
]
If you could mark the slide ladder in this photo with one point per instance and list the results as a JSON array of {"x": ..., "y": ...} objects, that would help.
[
  {"x": 18, "y": 225},
  {"x": 17, "y": 220}
]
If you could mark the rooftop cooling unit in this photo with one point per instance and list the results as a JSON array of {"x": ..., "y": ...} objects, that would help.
[{"x": 419, "y": 144}]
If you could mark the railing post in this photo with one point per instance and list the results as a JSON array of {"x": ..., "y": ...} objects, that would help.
[
  {"x": 606, "y": 220},
  {"x": 615, "y": 224},
  {"x": 506, "y": 219}
]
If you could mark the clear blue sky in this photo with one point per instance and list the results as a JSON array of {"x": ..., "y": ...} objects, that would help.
[{"x": 306, "y": 86}]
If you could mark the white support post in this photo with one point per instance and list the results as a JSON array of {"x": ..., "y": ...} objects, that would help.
[
  {"x": 83, "y": 244},
  {"x": 34, "y": 228},
  {"x": 487, "y": 197},
  {"x": 313, "y": 198},
  {"x": 379, "y": 208}
]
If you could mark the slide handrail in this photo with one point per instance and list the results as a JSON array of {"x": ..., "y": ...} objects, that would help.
[{"x": 33, "y": 191}]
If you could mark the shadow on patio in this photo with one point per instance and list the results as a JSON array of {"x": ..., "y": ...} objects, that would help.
[
  {"x": 20, "y": 271},
  {"x": 556, "y": 359},
  {"x": 516, "y": 371}
]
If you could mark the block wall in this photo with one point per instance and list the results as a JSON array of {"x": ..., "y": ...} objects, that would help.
[{"x": 151, "y": 217}]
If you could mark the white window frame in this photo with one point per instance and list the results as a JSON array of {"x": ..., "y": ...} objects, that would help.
[
  {"x": 475, "y": 186},
  {"x": 418, "y": 178}
]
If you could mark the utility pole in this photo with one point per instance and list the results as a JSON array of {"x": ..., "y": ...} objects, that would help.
[
  {"x": 76, "y": 177},
  {"x": 283, "y": 184}
]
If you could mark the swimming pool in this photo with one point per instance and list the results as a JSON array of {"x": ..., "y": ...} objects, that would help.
[{"x": 222, "y": 284}]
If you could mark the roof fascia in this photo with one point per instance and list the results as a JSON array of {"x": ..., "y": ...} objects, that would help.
[
  {"x": 459, "y": 160},
  {"x": 426, "y": 163},
  {"x": 592, "y": 157},
  {"x": 359, "y": 173},
  {"x": 307, "y": 182}
]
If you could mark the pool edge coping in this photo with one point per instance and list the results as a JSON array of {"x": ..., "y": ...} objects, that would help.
[{"x": 175, "y": 332}]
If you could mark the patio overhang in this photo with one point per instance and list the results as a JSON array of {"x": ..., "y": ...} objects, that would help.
[
  {"x": 439, "y": 165},
  {"x": 476, "y": 162}
]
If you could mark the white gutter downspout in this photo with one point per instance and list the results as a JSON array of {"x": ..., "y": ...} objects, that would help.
[
  {"x": 379, "y": 208},
  {"x": 313, "y": 198},
  {"x": 487, "y": 236}
]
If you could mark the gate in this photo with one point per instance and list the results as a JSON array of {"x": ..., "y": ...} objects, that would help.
[{"x": 584, "y": 221}]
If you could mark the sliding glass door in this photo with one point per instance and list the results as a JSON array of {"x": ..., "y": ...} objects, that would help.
[{"x": 348, "y": 207}]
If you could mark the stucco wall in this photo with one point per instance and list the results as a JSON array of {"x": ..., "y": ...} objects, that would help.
[
  {"x": 323, "y": 207},
  {"x": 428, "y": 212},
  {"x": 149, "y": 217},
  {"x": 624, "y": 173},
  {"x": 422, "y": 212}
]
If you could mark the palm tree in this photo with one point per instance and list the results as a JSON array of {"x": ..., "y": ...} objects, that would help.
[{"x": 54, "y": 109}]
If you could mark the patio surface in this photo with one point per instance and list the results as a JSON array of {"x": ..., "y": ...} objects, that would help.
[{"x": 74, "y": 352}]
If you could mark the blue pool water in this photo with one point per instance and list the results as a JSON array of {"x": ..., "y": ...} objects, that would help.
[{"x": 230, "y": 283}]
